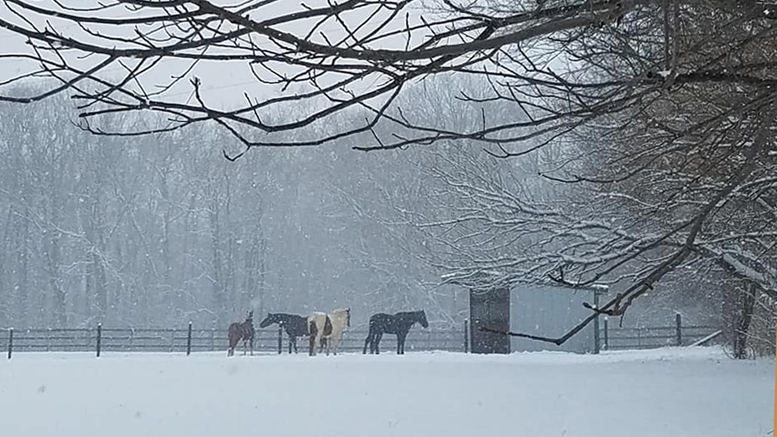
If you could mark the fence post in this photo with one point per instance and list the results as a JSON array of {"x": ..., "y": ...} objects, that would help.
[
  {"x": 10, "y": 342},
  {"x": 466, "y": 336},
  {"x": 606, "y": 335},
  {"x": 678, "y": 321},
  {"x": 213, "y": 339},
  {"x": 280, "y": 340},
  {"x": 189, "y": 340},
  {"x": 99, "y": 337},
  {"x": 596, "y": 323}
]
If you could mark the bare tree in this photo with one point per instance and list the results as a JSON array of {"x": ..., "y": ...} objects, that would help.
[
  {"x": 332, "y": 54},
  {"x": 667, "y": 105}
]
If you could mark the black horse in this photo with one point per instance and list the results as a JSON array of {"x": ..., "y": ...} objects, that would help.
[
  {"x": 399, "y": 324},
  {"x": 294, "y": 325},
  {"x": 241, "y": 331}
]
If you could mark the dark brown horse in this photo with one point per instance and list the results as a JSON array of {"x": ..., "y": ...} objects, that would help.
[
  {"x": 399, "y": 324},
  {"x": 242, "y": 331},
  {"x": 296, "y": 326}
]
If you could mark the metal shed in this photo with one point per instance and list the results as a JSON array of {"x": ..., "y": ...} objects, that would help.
[{"x": 546, "y": 309}]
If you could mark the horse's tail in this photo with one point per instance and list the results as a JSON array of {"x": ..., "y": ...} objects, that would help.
[
  {"x": 328, "y": 327},
  {"x": 234, "y": 335}
]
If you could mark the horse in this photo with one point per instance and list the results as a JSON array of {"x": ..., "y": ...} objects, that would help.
[
  {"x": 241, "y": 331},
  {"x": 399, "y": 324},
  {"x": 319, "y": 328},
  {"x": 295, "y": 326},
  {"x": 325, "y": 329},
  {"x": 340, "y": 319}
]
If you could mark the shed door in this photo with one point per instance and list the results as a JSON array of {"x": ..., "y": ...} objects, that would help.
[{"x": 490, "y": 309}]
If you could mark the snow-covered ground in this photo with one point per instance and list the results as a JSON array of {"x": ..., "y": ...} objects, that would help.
[{"x": 659, "y": 393}]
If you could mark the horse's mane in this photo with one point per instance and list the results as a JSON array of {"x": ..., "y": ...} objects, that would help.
[{"x": 288, "y": 315}]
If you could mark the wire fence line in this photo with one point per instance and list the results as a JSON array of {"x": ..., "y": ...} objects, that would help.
[
  {"x": 652, "y": 337},
  {"x": 275, "y": 341},
  {"x": 187, "y": 340}
]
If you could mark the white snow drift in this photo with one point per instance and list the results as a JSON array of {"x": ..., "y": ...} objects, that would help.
[{"x": 661, "y": 393}]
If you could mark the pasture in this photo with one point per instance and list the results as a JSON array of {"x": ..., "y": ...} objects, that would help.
[{"x": 664, "y": 392}]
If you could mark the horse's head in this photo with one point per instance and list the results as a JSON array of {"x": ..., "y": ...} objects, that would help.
[
  {"x": 343, "y": 313},
  {"x": 269, "y": 320},
  {"x": 422, "y": 319}
]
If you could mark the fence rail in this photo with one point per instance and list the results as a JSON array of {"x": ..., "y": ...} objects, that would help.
[
  {"x": 652, "y": 337},
  {"x": 189, "y": 340}
]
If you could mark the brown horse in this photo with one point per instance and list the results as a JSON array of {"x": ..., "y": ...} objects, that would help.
[{"x": 242, "y": 331}]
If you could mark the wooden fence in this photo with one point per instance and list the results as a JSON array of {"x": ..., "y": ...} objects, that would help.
[
  {"x": 651, "y": 337},
  {"x": 100, "y": 340}
]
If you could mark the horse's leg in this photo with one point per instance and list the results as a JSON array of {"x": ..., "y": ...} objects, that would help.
[
  {"x": 377, "y": 343},
  {"x": 335, "y": 340},
  {"x": 401, "y": 343},
  {"x": 252, "y": 345},
  {"x": 367, "y": 342}
]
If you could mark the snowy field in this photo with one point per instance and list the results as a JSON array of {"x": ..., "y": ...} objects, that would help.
[{"x": 659, "y": 393}]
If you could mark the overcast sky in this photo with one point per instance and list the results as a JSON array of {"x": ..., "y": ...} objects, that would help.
[{"x": 224, "y": 84}]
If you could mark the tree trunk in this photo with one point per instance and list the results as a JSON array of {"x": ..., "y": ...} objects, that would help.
[
  {"x": 54, "y": 260},
  {"x": 745, "y": 303},
  {"x": 5, "y": 295},
  {"x": 219, "y": 304},
  {"x": 23, "y": 286},
  {"x": 55, "y": 280},
  {"x": 96, "y": 287}
]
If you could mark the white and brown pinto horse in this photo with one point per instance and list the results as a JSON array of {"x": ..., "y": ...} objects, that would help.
[{"x": 327, "y": 330}]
